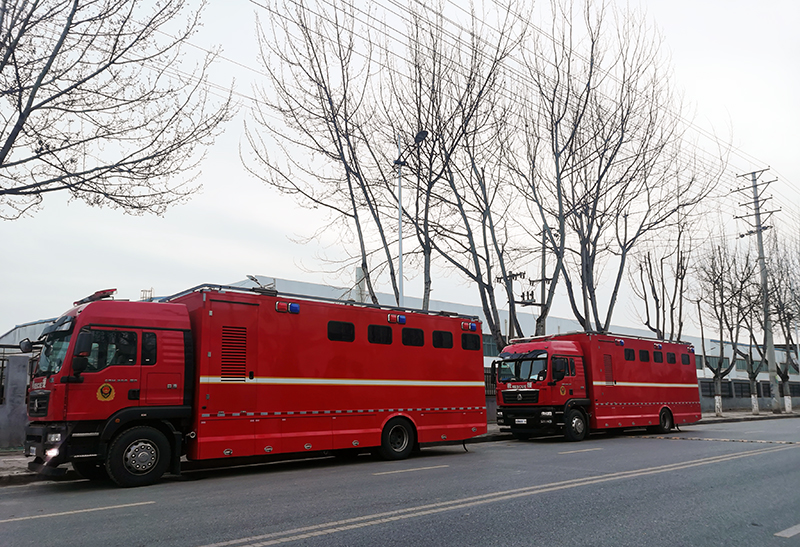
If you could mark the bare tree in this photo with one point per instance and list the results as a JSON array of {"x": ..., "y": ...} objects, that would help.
[
  {"x": 449, "y": 88},
  {"x": 714, "y": 301},
  {"x": 659, "y": 281},
  {"x": 318, "y": 63},
  {"x": 96, "y": 102},
  {"x": 605, "y": 165},
  {"x": 783, "y": 285}
]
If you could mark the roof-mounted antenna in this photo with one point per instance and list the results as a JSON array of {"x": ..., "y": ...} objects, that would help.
[{"x": 261, "y": 289}]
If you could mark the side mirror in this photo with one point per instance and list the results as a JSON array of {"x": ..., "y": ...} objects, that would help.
[
  {"x": 83, "y": 346},
  {"x": 559, "y": 369},
  {"x": 26, "y": 346}
]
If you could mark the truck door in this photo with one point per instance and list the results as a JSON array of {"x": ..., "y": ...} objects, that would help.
[
  {"x": 163, "y": 367},
  {"x": 228, "y": 387},
  {"x": 562, "y": 380},
  {"x": 111, "y": 380}
]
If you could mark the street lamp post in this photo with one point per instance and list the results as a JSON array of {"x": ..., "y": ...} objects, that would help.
[{"x": 399, "y": 162}]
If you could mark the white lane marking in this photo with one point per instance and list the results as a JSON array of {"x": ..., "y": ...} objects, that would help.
[
  {"x": 353, "y": 523},
  {"x": 584, "y": 450},
  {"x": 410, "y": 470},
  {"x": 78, "y": 511},
  {"x": 789, "y": 532}
]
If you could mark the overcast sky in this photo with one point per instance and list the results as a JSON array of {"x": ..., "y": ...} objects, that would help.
[{"x": 736, "y": 62}]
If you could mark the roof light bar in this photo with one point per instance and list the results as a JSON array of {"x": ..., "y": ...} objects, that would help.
[
  {"x": 468, "y": 325},
  {"x": 99, "y": 295},
  {"x": 619, "y": 342},
  {"x": 395, "y": 318}
]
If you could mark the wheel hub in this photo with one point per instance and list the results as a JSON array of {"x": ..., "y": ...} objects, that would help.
[
  {"x": 398, "y": 439},
  {"x": 140, "y": 457}
]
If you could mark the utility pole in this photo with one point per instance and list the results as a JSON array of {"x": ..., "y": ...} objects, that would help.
[{"x": 758, "y": 229}]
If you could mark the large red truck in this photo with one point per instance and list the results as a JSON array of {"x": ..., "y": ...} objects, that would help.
[
  {"x": 125, "y": 389},
  {"x": 581, "y": 382}
]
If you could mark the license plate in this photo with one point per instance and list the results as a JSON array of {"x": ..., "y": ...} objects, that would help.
[
  {"x": 522, "y": 421},
  {"x": 32, "y": 451}
]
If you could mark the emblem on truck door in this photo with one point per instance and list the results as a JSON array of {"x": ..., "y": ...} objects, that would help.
[{"x": 105, "y": 392}]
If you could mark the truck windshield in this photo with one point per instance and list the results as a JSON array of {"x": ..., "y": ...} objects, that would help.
[
  {"x": 522, "y": 367},
  {"x": 54, "y": 352}
]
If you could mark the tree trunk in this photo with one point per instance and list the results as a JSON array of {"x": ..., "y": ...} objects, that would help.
[
  {"x": 754, "y": 396},
  {"x": 754, "y": 403}
]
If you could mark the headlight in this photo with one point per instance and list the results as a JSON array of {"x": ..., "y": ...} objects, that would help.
[
  {"x": 52, "y": 452},
  {"x": 500, "y": 413},
  {"x": 54, "y": 437},
  {"x": 547, "y": 413}
]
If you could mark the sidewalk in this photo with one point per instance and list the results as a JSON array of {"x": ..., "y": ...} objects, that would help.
[{"x": 14, "y": 465}]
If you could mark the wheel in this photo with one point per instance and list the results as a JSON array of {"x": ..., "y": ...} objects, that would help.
[
  {"x": 575, "y": 425},
  {"x": 138, "y": 456},
  {"x": 92, "y": 470},
  {"x": 521, "y": 436},
  {"x": 397, "y": 439},
  {"x": 664, "y": 421}
]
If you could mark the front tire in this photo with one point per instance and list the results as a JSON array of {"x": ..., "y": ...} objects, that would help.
[
  {"x": 138, "y": 456},
  {"x": 575, "y": 428},
  {"x": 397, "y": 439}
]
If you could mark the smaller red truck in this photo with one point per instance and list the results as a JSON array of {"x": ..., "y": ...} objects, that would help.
[
  {"x": 125, "y": 389},
  {"x": 581, "y": 382}
]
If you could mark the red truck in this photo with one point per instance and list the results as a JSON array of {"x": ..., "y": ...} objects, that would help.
[
  {"x": 125, "y": 389},
  {"x": 581, "y": 382}
]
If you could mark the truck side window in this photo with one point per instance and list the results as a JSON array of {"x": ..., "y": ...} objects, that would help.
[
  {"x": 149, "y": 348},
  {"x": 470, "y": 341},
  {"x": 630, "y": 355},
  {"x": 658, "y": 357},
  {"x": 379, "y": 334},
  {"x": 413, "y": 337},
  {"x": 644, "y": 356},
  {"x": 442, "y": 339},
  {"x": 670, "y": 358},
  {"x": 685, "y": 358},
  {"x": 110, "y": 348},
  {"x": 340, "y": 331},
  {"x": 571, "y": 366}
]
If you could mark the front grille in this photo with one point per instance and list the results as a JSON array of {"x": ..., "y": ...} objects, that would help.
[
  {"x": 38, "y": 401},
  {"x": 521, "y": 397}
]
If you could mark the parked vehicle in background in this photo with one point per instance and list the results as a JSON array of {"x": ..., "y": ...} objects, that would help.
[
  {"x": 582, "y": 382},
  {"x": 124, "y": 389}
]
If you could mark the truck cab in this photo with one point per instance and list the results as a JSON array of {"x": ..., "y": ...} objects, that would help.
[
  {"x": 106, "y": 369},
  {"x": 541, "y": 387}
]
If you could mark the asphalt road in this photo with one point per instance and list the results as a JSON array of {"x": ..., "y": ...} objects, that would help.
[{"x": 718, "y": 484}]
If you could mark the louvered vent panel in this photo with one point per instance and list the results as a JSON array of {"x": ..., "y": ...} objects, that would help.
[
  {"x": 234, "y": 354},
  {"x": 609, "y": 370}
]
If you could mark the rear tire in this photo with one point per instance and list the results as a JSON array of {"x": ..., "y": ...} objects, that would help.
[
  {"x": 397, "y": 439},
  {"x": 92, "y": 470},
  {"x": 665, "y": 422},
  {"x": 575, "y": 425},
  {"x": 138, "y": 456}
]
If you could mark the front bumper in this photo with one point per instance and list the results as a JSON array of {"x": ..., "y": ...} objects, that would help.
[
  {"x": 529, "y": 418},
  {"x": 46, "y": 443}
]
